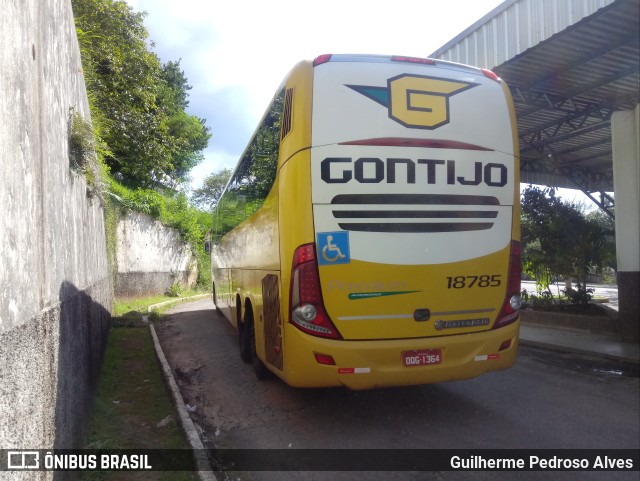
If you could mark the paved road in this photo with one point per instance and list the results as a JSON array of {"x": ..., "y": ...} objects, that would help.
[
  {"x": 547, "y": 400},
  {"x": 608, "y": 292}
]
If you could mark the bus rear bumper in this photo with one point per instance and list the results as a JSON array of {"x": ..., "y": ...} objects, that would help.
[{"x": 379, "y": 363}]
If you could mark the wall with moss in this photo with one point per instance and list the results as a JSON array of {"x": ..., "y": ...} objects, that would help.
[{"x": 55, "y": 288}]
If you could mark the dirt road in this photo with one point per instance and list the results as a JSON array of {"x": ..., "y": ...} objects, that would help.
[{"x": 548, "y": 400}]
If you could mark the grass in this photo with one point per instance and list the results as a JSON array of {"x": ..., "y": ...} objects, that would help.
[
  {"x": 140, "y": 305},
  {"x": 133, "y": 409}
]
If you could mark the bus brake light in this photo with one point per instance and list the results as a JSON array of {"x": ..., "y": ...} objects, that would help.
[
  {"x": 511, "y": 306},
  {"x": 307, "y": 311}
]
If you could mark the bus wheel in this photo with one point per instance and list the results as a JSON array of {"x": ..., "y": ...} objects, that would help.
[
  {"x": 244, "y": 340},
  {"x": 259, "y": 368}
]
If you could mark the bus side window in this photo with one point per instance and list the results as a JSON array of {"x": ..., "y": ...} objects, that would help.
[
  {"x": 255, "y": 175},
  {"x": 224, "y": 217}
]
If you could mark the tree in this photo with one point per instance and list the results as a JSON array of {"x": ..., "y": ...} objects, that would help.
[
  {"x": 208, "y": 195},
  {"x": 174, "y": 94},
  {"x": 607, "y": 242},
  {"x": 190, "y": 134},
  {"x": 558, "y": 239},
  {"x": 150, "y": 138}
]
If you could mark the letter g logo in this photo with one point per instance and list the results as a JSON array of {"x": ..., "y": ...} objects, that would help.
[
  {"x": 422, "y": 102},
  {"x": 416, "y": 101}
]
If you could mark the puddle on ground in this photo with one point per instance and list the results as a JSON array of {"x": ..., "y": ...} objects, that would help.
[{"x": 616, "y": 372}]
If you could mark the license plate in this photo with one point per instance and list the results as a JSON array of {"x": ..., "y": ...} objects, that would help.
[{"x": 423, "y": 357}]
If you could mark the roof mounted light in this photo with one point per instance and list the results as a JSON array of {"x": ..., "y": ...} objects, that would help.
[
  {"x": 423, "y": 61},
  {"x": 320, "y": 59},
  {"x": 490, "y": 74}
]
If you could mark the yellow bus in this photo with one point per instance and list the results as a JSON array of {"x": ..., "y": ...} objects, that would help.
[{"x": 369, "y": 235}]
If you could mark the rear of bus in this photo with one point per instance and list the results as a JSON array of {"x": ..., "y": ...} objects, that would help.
[{"x": 414, "y": 273}]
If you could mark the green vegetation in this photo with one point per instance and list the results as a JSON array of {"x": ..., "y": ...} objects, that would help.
[
  {"x": 174, "y": 290},
  {"x": 207, "y": 196},
  {"x": 111, "y": 219},
  {"x": 82, "y": 153},
  {"x": 559, "y": 241},
  {"x": 132, "y": 406},
  {"x": 136, "y": 152},
  {"x": 139, "y": 306},
  {"x": 140, "y": 103},
  {"x": 81, "y": 142},
  {"x": 145, "y": 143}
]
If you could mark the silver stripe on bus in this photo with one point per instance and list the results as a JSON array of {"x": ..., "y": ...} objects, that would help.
[
  {"x": 410, "y": 316},
  {"x": 455, "y": 313},
  {"x": 361, "y": 318}
]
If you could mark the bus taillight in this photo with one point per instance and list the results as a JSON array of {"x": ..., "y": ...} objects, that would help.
[
  {"x": 307, "y": 311},
  {"x": 320, "y": 59},
  {"x": 511, "y": 307}
]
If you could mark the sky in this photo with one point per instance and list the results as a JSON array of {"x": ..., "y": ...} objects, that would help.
[{"x": 235, "y": 53}]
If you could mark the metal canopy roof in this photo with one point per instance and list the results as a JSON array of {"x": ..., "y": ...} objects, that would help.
[{"x": 565, "y": 90}]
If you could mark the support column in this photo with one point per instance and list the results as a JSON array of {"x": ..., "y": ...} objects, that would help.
[{"x": 625, "y": 133}]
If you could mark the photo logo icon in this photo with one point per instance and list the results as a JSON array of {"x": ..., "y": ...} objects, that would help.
[{"x": 23, "y": 460}]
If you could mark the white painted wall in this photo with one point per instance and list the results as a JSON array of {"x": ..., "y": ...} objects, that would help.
[{"x": 151, "y": 257}]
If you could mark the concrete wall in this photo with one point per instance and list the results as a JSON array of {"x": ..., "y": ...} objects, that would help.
[
  {"x": 625, "y": 140},
  {"x": 55, "y": 291},
  {"x": 151, "y": 257}
]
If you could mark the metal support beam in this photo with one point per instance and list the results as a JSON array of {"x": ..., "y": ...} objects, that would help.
[
  {"x": 584, "y": 179},
  {"x": 606, "y": 202}
]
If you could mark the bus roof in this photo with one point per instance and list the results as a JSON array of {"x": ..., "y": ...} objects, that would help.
[{"x": 370, "y": 58}]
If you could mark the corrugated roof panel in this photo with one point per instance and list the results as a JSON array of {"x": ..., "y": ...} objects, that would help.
[
  {"x": 570, "y": 64},
  {"x": 514, "y": 27}
]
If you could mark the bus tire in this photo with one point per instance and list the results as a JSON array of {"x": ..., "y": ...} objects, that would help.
[
  {"x": 244, "y": 339},
  {"x": 244, "y": 344},
  {"x": 259, "y": 368}
]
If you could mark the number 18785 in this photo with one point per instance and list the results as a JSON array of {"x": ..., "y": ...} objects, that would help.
[{"x": 486, "y": 280}]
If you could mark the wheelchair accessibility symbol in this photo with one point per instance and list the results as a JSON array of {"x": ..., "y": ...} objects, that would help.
[{"x": 333, "y": 248}]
